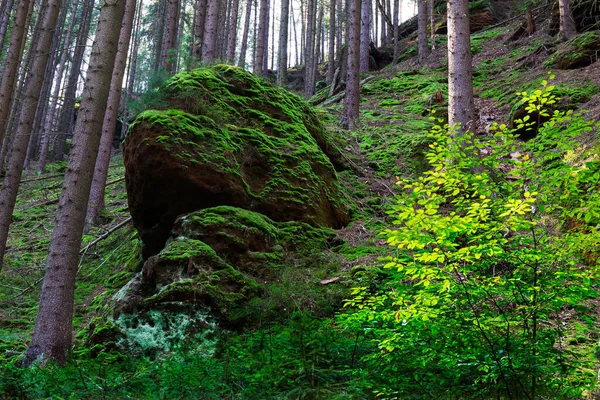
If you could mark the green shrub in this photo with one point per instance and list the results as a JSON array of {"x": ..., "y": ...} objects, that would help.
[{"x": 495, "y": 243}]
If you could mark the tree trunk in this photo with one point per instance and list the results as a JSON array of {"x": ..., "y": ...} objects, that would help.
[
  {"x": 35, "y": 80},
  {"x": 65, "y": 121},
  {"x": 49, "y": 125},
  {"x": 331, "y": 49},
  {"x": 13, "y": 61},
  {"x": 460, "y": 81},
  {"x": 169, "y": 51},
  {"x": 260, "y": 39},
  {"x": 233, "y": 35},
  {"x": 340, "y": 28},
  {"x": 296, "y": 48},
  {"x": 265, "y": 63},
  {"x": 5, "y": 14},
  {"x": 244, "y": 48},
  {"x": 568, "y": 30},
  {"x": 432, "y": 24},
  {"x": 209, "y": 46},
  {"x": 282, "y": 61},
  {"x": 199, "y": 19},
  {"x": 365, "y": 30},
  {"x": 422, "y": 31},
  {"x": 396, "y": 31},
  {"x": 352, "y": 99},
  {"x": 158, "y": 30},
  {"x": 318, "y": 46},
  {"x": 53, "y": 332},
  {"x": 96, "y": 202},
  {"x": 309, "y": 50}
]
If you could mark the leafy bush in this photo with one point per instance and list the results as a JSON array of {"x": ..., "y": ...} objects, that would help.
[{"x": 496, "y": 257}]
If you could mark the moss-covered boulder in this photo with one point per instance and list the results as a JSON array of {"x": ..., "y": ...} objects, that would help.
[
  {"x": 578, "y": 52},
  {"x": 224, "y": 137},
  {"x": 218, "y": 259}
]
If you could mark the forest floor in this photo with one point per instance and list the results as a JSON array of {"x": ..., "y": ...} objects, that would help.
[{"x": 307, "y": 357}]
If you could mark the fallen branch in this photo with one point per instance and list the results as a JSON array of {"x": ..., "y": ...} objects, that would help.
[
  {"x": 45, "y": 203},
  {"x": 341, "y": 95},
  {"x": 115, "y": 181},
  {"x": 105, "y": 235}
]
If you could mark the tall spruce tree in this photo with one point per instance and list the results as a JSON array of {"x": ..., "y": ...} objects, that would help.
[{"x": 52, "y": 335}]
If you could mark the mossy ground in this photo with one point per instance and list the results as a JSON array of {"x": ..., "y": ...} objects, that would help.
[{"x": 297, "y": 349}]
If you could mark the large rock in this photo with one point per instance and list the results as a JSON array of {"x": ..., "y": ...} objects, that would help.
[
  {"x": 216, "y": 266},
  {"x": 224, "y": 137}
]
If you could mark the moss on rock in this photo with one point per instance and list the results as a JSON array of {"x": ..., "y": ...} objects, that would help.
[
  {"x": 229, "y": 138},
  {"x": 578, "y": 52}
]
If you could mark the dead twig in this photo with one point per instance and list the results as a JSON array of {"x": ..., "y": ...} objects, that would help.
[{"x": 105, "y": 235}]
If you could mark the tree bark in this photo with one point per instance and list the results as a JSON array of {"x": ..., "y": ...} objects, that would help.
[
  {"x": 265, "y": 62},
  {"x": 396, "y": 31},
  {"x": 209, "y": 46},
  {"x": 352, "y": 99},
  {"x": 169, "y": 51},
  {"x": 260, "y": 39},
  {"x": 282, "y": 61},
  {"x": 422, "y": 31},
  {"x": 460, "y": 82},
  {"x": 309, "y": 50},
  {"x": 199, "y": 19},
  {"x": 40, "y": 55},
  {"x": 49, "y": 125},
  {"x": 331, "y": 48},
  {"x": 365, "y": 31},
  {"x": 5, "y": 14},
  {"x": 296, "y": 48},
  {"x": 233, "y": 34},
  {"x": 65, "y": 120},
  {"x": 244, "y": 49},
  {"x": 568, "y": 30},
  {"x": 53, "y": 332},
  {"x": 96, "y": 202},
  {"x": 13, "y": 61}
]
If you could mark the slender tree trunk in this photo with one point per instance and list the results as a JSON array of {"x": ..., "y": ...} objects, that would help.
[
  {"x": 265, "y": 63},
  {"x": 5, "y": 14},
  {"x": 309, "y": 50},
  {"x": 199, "y": 19},
  {"x": 168, "y": 56},
  {"x": 49, "y": 125},
  {"x": 96, "y": 203},
  {"x": 352, "y": 99},
  {"x": 340, "y": 28},
  {"x": 396, "y": 31},
  {"x": 390, "y": 28},
  {"x": 272, "y": 35},
  {"x": 460, "y": 82},
  {"x": 159, "y": 32},
  {"x": 35, "y": 80},
  {"x": 283, "y": 44},
  {"x": 244, "y": 49},
  {"x": 52, "y": 335},
  {"x": 296, "y": 48},
  {"x": 303, "y": 25},
  {"x": 222, "y": 29},
  {"x": 233, "y": 36},
  {"x": 13, "y": 61},
  {"x": 331, "y": 49},
  {"x": 568, "y": 30},
  {"x": 132, "y": 67},
  {"x": 67, "y": 112},
  {"x": 365, "y": 40},
  {"x": 422, "y": 31},
  {"x": 260, "y": 39},
  {"x": 18, "y": 93},
  {"x": 209, "y": 46},
  {"x": 432, "y": 23}
]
